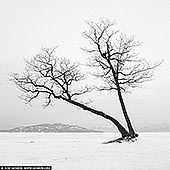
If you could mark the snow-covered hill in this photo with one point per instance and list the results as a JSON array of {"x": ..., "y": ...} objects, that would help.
[{"x": 56, "y": 127}]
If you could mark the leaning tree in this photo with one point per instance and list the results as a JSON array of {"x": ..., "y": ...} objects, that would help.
[
  {"x": 56, "y": 78},
  {"x": 116, "y": 63},
  {"x": 113, "y": 58}
]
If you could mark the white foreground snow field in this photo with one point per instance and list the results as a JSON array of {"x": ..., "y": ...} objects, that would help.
[{"x": 84, "y": 151}]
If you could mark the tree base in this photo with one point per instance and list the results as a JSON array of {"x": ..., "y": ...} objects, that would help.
[{"x": 123, "y": 139}]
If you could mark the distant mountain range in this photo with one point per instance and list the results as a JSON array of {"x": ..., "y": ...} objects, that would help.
[
  {"x": 59, "y": 127},
  {"x": 56, "y": 127},
  {"x": 164, "y": 127}
]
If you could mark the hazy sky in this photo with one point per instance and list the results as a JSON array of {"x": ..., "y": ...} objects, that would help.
[{"x": 27, "y": 25}]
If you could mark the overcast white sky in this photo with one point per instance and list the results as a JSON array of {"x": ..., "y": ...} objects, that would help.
[{"x": 27, "y": 25}]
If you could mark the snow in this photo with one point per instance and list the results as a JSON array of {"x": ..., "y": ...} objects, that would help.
[{"x": 85, "y": 151}]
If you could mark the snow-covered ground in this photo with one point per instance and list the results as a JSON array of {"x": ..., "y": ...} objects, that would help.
[{"x": 84, "y": 151}]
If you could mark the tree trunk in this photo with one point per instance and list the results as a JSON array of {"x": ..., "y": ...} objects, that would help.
[
  {"x": 120, "y": 128},
  {"x": 131, "y": 130},
  {"x": 129, "y": 124}
]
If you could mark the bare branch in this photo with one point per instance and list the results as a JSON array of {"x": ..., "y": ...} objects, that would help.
[
  {"x": 49, "y": 75},
  {"x": 114, "y": 57}
]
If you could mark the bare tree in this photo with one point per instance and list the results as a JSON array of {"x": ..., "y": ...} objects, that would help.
[
  {"x": 55, "y": 78},
  {"x": 116, "y": 62}
]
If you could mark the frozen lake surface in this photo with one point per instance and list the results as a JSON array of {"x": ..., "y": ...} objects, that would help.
[{"x": 84, "y": 151}]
